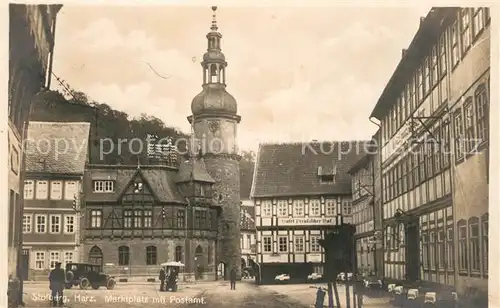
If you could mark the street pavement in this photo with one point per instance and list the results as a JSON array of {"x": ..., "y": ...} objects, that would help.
[
  {"x": 305, "y": 295},
  {"x": 208, "y": 295},
  {"x": 124, "y": 295}
]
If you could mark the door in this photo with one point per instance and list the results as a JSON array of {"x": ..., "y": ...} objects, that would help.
[
  {"x": 412, "y": 241},
  {"x": 25, "y": 264}
]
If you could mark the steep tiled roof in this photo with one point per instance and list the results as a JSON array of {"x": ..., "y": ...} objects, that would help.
[
  {"x": 57, "y": 147},
  {"x": 160, "y": 179},
  {"x": 198, "y": 172},
  {"x": 290, "y": 169}
]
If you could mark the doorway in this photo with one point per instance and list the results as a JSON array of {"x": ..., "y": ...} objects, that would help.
[
  {"x": 25, "y": 264},
  {"x": 222, "y": 271},
  {"x": 412, "y": 257},
  {"x": 199, "y": 262},
  {"x": 95, "y": 256}
]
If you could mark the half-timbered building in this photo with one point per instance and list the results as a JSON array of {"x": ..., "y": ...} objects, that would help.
[
  {"x": 247, "y": 226},
  {"x": 137, "y": 217},
  {"x": 300, "y": 190},
  {"x": 434, "y": 118},
  {"x": 56, "y": 154}
]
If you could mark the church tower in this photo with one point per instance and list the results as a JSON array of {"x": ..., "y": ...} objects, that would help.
[{"x": 214, "y": 120}]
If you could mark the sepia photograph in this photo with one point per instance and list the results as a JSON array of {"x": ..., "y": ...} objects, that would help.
[{"x": 216, "y": 155}]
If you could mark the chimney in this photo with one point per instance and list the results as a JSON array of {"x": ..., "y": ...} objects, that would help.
[
  {"x": 403, "y": 52},
  {"x": 422, "y": 20}
]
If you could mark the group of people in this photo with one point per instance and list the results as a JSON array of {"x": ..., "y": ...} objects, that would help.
[{"x": 170, "y": 277}]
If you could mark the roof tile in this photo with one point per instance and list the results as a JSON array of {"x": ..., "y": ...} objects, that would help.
[
  {"x": 57, "y": 147},
  {"x": 290, "y": 169}
]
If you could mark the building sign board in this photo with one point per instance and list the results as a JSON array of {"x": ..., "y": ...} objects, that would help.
[{"x": 313, "y": 221}]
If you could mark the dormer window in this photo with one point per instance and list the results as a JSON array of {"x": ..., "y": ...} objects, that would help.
[
  {"x": 104, "y": 186},
  {"x": 138, "y": 187},
  {"x": 327, "y": 175}
]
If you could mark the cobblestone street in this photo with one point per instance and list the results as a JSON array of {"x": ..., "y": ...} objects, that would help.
[{"x": 129, "y": 295}]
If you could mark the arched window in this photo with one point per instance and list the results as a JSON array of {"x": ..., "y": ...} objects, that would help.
[
  {"x": 151, "y": 256},
  {"x": 178, "y": 253},
  {"x": 462, "y": 247},
  {"x": 474, "y": 245},
  {"x": 123, "y": 255}
]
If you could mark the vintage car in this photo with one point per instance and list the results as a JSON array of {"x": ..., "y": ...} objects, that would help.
[
  {"x": 314, "y": 277},
  {"x": 87, "y": 275},
  {"x": 282, "y": 277}
]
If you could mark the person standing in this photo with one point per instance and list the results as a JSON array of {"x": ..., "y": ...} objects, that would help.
[
  {"x": 162, "y": 278},
  {"x": 233, "y": 279},
  {"x": 57, "y": 280}
]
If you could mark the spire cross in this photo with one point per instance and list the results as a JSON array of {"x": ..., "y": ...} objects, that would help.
[{"x": 214, "y": 22}]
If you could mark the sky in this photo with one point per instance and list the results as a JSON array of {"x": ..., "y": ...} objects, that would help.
[{"x": 298, "y": 74}]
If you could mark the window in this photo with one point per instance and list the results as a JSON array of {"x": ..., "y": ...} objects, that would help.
[
  {"x": 420, "y": 85},
  {"x": 432, "y": 249},
  {"x": 127, "y": 218},
  {"x": 123, "y": 255},
  {"x": 455, "y": 55},
  {"x": 29, "y": 191},
  {"x": 42, "y": 190},
  {"x": 282, "y": 208},
  {"x": 55, "y": 223},
  {"x": 27, "y": 223},
  {"x": 449, "y": 250},
  {"x": 442, "y": 55},
  {"x": 266, "y": 244},
  {"x": 427, "y": 76},
  {"x": 346, "y": 207},
  {"x": 298, "y": 208},
  {"x": 475, "y": 252},
  {"x": 69, "y": 224},
  {"x": 421, "y": 163},
  {"x": 282, "y": 244},
  {"x": 103, "y": 186},
  {"x": 299, "y": 244},
  {"x": 249, "y": 241},
  {"x": 465, "y": 29},
  {"x": 148, "y": 219},
  {"x": 425, "y": 251},
  {"x": 478, "y": 21},
  {"x": 331, "y": 207},
  {"x": 485, "y": 243},
  {"x": 412, "y": 95},
  {"x": 315, "y": 209},
  {"x": 267, "y": 209},
  {"x": 54, "y": 258},
  {"x": 41, "y": 223},
  {"x": 429, "y": 159},
  {"x": 481, "y": 102},
  {"x": 68, "y": 257},
  {"x": 434, "y": 66},
  {"x": 462, "y": 246},
  {"x": 40, "y": 260},
  {"x": 180, "y": 219},
  {"x": 469, "y": 141},
  {"x": 445, "y": 137},
  {"x": 56, "y": 190},
  {"x": 95, "y": 218},
  {"x": 404, "y": 172},
  {"x": 459, "y": 135},
  {"x": 315, "y": 247},
  {"x": 197, "y": 219},
  {"x": 137, "y": 219},
  {"x": 151, "y": 255},
  {"x": 178, "y": 254},
  {"x": 70, "y": 190},
  {"x": 441, "y": 249}
]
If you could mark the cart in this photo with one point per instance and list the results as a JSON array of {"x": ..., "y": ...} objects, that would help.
[{"x": 172, "y": 270}]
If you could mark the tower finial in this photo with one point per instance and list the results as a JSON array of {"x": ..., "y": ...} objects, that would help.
[{"x": 214, "y": 21}]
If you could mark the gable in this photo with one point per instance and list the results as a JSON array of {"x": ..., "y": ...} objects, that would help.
[{"x": 138, "y": 189}]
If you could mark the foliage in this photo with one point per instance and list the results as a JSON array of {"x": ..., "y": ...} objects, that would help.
[{"x": 108, "y": 126}]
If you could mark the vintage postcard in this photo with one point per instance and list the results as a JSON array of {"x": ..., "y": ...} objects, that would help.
[{"x": 249, "y": 156}]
